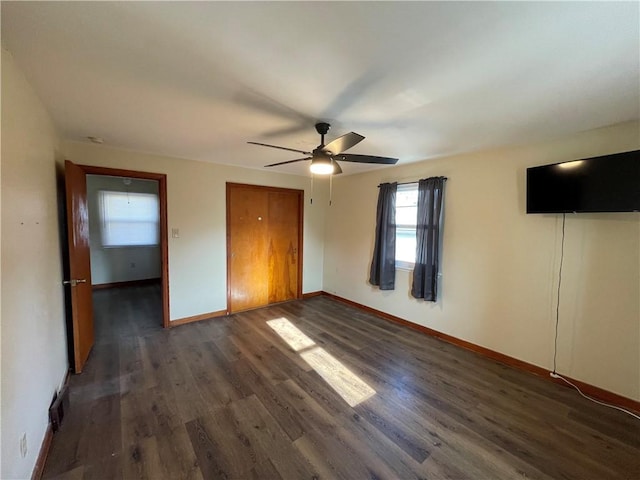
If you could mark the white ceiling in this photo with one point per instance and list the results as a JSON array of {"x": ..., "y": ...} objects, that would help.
[{"x": 418, "y": 79}]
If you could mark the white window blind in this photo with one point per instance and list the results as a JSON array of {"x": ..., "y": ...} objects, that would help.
[
  {"x": 128, "y": 219},
  {"x": 406, "y": 218}
]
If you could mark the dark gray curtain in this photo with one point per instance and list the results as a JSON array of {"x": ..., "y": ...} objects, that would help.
[
  {"x": 425, "y": 272},
  {"x": 383, "y": 265}
]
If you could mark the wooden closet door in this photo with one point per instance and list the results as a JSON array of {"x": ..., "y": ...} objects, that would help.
[
  {"x": 264, "y": 242},
  {"x": 283, "y": 246},
  {"x": 247, "y": 210}
]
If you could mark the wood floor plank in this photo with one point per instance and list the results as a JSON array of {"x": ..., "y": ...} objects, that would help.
[
  {"x": 230, "y": 351},
  {"x": 331, "y": 437},
  {"x": 177, "y": 458},
  {"x": 141, "y": 460},
  {"x": 104, "y": 424},
  {"x": 106, "y": 467},
  {"x": 322, "y": 391},
  {"x": 264, "y": 359},
  {"x": 264, "y": 432},
  {"x": 317, "y": 319},
  {"x": 225, "y": 446},
  {"x": 280, "y": 409},
  {"x": 131, "y": 367},
  {"x": 213, "y": 378},
  {"x": 73, "y": 474},
  {"x": 146, "y": 413},
  {"x": 188, "y": 397},
  {"x": 271, "y": 338},
  {"x": 324, "y": 464},
  {"x": 210, "y": 448}
]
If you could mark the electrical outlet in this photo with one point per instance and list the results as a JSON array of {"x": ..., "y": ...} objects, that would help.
[{"x": 23, "y": 445}]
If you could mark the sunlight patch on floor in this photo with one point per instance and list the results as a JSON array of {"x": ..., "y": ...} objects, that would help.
[
  {"x": 346, "y": 383},
  {"x": 291, "y": 334},
  {"x": 342, "y": 380}
]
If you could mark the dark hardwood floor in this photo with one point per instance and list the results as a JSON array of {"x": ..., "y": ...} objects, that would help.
[{"x": 318, "y": 389}]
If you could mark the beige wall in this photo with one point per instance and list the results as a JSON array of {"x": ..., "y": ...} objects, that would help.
[
  {"x": 500, "y": 265},
  {"x": 34, "y": 356},
  {"x": 196, "y": 206}
]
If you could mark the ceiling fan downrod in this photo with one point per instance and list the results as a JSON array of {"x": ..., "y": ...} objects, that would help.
[{"x": 322, "y": 128}]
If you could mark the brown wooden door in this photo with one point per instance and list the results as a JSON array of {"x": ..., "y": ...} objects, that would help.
[
  {"x": 263, "y": 246},
  {"x": 79, "y": 264},
  {"x": 283, "y": 246}
]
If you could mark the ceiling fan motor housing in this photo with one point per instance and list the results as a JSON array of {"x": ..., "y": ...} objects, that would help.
[
  {"x": 322, "y": 128},
  {"x": 319, "y": 152}
]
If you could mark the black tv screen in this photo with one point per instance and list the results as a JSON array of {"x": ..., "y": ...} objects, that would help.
[{"x": 602, "y": 184}]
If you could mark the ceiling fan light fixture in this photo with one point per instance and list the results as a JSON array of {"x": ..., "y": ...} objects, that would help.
[
  {"x": 321, "y": 166},
  {"x": 323, "y": 157}
]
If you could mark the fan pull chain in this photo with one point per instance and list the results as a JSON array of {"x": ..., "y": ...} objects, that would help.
[
  {"x": 311, "y": 192},
  {"x": 330, "y": 188}
]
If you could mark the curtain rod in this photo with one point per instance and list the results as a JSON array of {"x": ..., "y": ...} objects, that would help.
[{"x": 415, "y": 181}]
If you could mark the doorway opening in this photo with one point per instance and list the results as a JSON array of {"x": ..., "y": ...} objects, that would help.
[
  {"x": 97, "y": 195},
  {"x": 124, "y": 245},
  {"x": 124, "y": 231}
]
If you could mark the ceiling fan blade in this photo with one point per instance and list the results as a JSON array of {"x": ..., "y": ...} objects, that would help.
[
  {"x": 280, "y": 148},
  {"x": 350, "y": 157},
  {"x": 343, "y": 143},
  {"x": 289, "y": 161}
]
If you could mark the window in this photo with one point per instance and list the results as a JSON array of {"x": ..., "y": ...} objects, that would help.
[
  {"x": 406, "y": 217},
  {"x": 129, "y": 219}
]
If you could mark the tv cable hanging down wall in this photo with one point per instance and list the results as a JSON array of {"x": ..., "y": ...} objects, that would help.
[{"x": 606, "y": 184}]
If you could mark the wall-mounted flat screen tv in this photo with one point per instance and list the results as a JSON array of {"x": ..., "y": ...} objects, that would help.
[{"x": 601, "y": 184}]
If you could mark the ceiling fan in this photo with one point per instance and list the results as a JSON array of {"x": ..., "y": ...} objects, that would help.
[{"x": 323, "y": 157}]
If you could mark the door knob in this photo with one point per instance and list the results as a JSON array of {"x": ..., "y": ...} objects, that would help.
[{"x": 74, "y": 281}]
